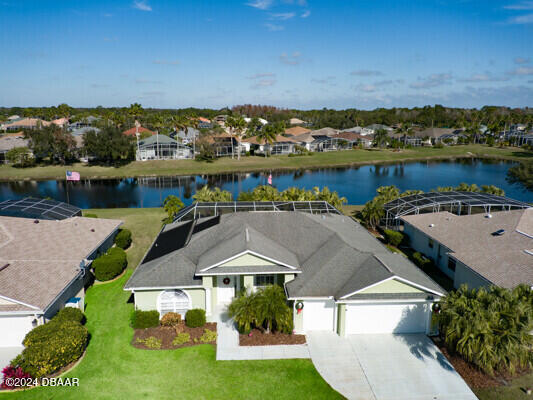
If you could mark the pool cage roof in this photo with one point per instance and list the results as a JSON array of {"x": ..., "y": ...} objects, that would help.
[
  {"x": 31, "y": 207},
  {"x": 201, "y": 210},
  {"x": 455, "y": 202}
]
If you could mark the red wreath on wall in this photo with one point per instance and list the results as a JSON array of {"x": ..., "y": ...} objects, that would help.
[{"x": 226, "y": 281}]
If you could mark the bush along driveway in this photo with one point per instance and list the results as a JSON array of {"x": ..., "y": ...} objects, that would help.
[{"x": 113, "y": 368}]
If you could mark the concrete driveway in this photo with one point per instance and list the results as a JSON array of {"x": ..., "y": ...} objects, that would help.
[{"x": 386, "y": 367}]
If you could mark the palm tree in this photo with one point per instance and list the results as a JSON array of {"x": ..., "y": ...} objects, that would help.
[
  {"x": 330, "y": 197},
  {"x": 243, "y": 311},
  {"x": 230, "y": 123},
  {"x": 172, "y": 205},
  {"x": 239, "y": 126},
  {"x": 267, "y": 135},
  {"x": 372, "y": 212},
  {"x": 136, "y": 111},
  {"x": 205, "y": 194},
  {"x": 271, "y": 308}
]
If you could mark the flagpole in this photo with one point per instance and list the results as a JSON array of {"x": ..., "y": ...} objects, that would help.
[{"x": 66, "y": 188}]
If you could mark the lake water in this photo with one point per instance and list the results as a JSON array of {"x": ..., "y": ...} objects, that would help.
[{"x": 357, "y": 184}]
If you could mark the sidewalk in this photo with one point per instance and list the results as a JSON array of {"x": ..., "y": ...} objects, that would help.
[{"x": 228, "y": 344}]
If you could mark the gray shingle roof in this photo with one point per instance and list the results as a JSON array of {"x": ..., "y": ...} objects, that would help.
[{"x": 336, "y": 256}]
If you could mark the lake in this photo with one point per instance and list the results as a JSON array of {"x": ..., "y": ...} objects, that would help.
[{"x": 358, "y": 184}]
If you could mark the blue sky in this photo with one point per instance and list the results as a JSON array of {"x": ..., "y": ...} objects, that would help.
[{"x": 289, "y": 53}]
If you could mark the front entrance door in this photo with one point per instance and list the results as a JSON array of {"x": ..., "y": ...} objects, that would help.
[{"x": 225, "y": 289}]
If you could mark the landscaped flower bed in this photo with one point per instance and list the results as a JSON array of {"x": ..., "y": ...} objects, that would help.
[
  {"x": 258, "y": 338},
  {"x": 175, "y": 337}
]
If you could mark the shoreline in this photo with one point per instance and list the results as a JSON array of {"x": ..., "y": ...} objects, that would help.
[{"x": 164, "y": 168}]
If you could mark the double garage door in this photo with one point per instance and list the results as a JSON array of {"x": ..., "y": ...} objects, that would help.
[
  {"x": 387, "y": 318},
  {"x": 13, "y": 329}
]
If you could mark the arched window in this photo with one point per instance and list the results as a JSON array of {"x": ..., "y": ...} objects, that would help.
[{"x": 176, "y": 300}]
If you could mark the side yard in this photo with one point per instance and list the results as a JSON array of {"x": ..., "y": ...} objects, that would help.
[{"x": 113, "y": 368}]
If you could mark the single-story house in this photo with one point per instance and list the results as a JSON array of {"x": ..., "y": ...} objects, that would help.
[
  {"x": 281, "y": 145},
  {"x": 133, "y": 131},
  {"x": 355, "y": 138},
  {"x": 45, "y": 264},
  {"x": 325, "y": 132},
  {"x": 25, "y": 123},
  {"x": 296, "y": 121},
  {"x": 161, "y": 147},
  {"x": 433, "y": 134},
  {"x": 84, "y": 122},
  {"x": 296, "y": 130},
  {"x": 477, "y": 249},
  {"x": 10, "y": 141},
  {"x": 336, "y": 275}
]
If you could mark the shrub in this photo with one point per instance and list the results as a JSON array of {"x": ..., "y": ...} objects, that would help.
[
  {"x": 90, "y": 215},
  {"x": 123, "y": 238},
  {"x": 12, "y": 372},
  {"x": 394, "y": 237},
  {"x": 181, "y": 338},
  {"x": 50, "y": 349},
  {"x": 151, "y": 342},
  {"x": 208, "y": 337},
  {"x": 110, "y": 265},
  {"x": 171, "y": 319},
  {"x": 144, "y": 319},
  {"x": 422, "y": 261},
  {"x": 70, "y": 314},
  {"x": 195, "y": 318}
]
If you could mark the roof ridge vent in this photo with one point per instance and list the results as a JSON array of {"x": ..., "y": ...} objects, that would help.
[{"x": 247, "y": 234}]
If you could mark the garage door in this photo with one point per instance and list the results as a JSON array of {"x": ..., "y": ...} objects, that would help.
[
  {"x": 318, "y": 315},
  {"x": 13, "y": 330},
  {"x": 387, "y": 318}
]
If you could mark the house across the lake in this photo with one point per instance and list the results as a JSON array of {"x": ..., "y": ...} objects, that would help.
[
  {"x": 336, "y": 275},
  {"x": 45, "y": 256},
  {"x": 161, "y": 147},
  {"x": 478, "y": 249}
]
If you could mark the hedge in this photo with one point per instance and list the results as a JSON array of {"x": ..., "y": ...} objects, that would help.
[
  {"x": 195, "y": 318},
  {"x": 144, "y": 319},
  {"x": 52, "y": 346},
  {"x": 110, "y": 265},
  {"x": 123, "y": 238},
  {"x": 70, "y": 314},
  {"x": 394, "y": 237}
]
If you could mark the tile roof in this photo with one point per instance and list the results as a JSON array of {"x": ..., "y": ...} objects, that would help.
[
  {"x": 279, "y": 139},
  {"x": 44, "y": 257},
  {"x": 296, "y": 130},
  {"x": 502, "y": 260},
  {"x": 131, "y": 132}
]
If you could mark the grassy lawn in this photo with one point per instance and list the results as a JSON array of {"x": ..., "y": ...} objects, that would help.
[
  {"x": 223, "y": 165},
  {"x": 113, "y": 369},
  {"x": 512, "y": 392}
]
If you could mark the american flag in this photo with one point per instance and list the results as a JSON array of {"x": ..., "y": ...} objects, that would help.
[
  {"x": 73, "y": 176},
  {"x": 270, "y": 179}
]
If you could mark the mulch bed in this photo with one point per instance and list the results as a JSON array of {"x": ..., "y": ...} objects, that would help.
[
  {"x": 474, "y": 377},
  {"x": 258, "y": 338},
  {"x": 167, "y": 334}
]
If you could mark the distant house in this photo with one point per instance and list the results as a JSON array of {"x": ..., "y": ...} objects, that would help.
[
  {"x": 296, "y": 130},
  {"x": 133, "y": 131},
  {"x": 186, "y": 137},
  {"x": 281, "y": 145},
  {"x": 297, "y": 121},
  {"x": 45, "y": 265},
  {"x": 450, "y": 138},
  {"x": 221, "y": 120},
  {"x": 432, "y": 134},
  {"x": 11, "y": 141},
  {"x": 325, "y": 131},
  {"x": 355, "y": 129},
  {"x": 204, "y": 123},
  {"x": 25, "y": 123},
  {"x": 225, "y": 144},
  {"x": 162, "y": 147},
  {"x": 84, "y": 122},
  {"x": 355, "y": 138},
  {"x": 83, "y": 130},
  {"x": 477, "y": 249},
  {"x": 373, "y": 128},
  {"x": 60, "y": 121}
]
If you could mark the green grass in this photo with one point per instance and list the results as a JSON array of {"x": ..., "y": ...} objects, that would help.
[
  {"x": 226, "y": 164},
  {"x": 113, "y": 369},
  {"x": 512, "y": 392}
]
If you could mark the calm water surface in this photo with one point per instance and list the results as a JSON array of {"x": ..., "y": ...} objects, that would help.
[{"x": 357, "y": 184}]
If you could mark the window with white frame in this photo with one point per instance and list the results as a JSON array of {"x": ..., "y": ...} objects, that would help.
[
  {"x": 264, "y": 280},
  {"x": 173, "y": 301}
]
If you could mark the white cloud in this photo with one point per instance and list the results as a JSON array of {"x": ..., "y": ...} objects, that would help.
[
  {"x": 142, "y": 5},
  {"x": 522, "y": 20},
  {"x": 274, "y": 28},
  {"x": 521, "y": 71},
  {"x": 282, "y": 16},
  {"x": 262, "y": 75},
  {"x": 524, "y": 5},
  {"x": 288, "y": 59},
  {"x": 262, "y": 83},
  {"x": 166, "y": 62},
  {"x": 366, "y": 72},
  {"x": 522, "y": 60},
  {"x": 483, "y": 77},
  {"x": 431, "y": 81},
  {"x": 305, "y": 14},
  {"x": 261, "y": 4}
]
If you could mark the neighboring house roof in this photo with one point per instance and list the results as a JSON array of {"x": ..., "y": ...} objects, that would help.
[
  {"x": 296, "y": 121},
  {"x": 304, "y": 138},
  {"x": 355, "y": 129},
  {"x": 191, "y": 133},
  {"x": 43, "y": 258},
  {"x": 154, "y": 139},
  {"x": 379, "y": 126},
  {"x": 501, "y": 259},
  {"x": 325, "y": 131},
  {"x": 131, "y": 132},
  {"x": 11, "y": 141},
  {"x": 433, "y": 132},
  {"x": 278, "y": 139},
  {"x": 31, "y": 207},
  {"x": 352, "y": 136},
  {"x": 60, "y": 121},
  {"x": 13, "y": 117},
  {"x": 83, "y": 130},
  {"x": 27, "y": 123},
  {"x": 202, "y": 119},
  {"x": 332, "y": 255},
  {"x": 296, "y": 130}
]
